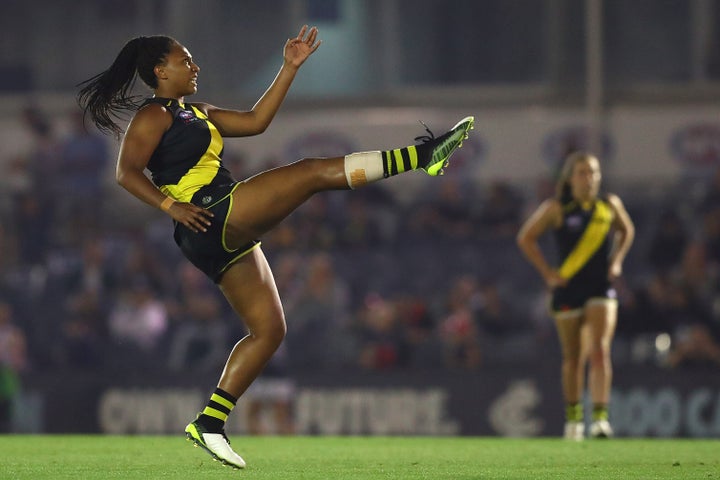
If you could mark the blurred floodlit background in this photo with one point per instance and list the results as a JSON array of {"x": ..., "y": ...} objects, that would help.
[{"x": 408, "y": 296}]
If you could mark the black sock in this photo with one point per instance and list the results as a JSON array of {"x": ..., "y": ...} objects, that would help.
[{"x": 215, "y": 413}]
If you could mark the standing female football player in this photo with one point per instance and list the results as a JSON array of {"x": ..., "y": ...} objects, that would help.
[
  {"x": 218, "y": 220},
  {"x": 593, "y": 235}
]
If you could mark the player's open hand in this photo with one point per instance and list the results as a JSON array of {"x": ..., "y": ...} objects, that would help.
[
  {"x": 614, "y": 272},
  {"x": 298, "y": 49},
  {"x": 193, "y": 217}
]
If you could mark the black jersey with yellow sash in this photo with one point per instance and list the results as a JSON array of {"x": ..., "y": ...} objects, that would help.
[
  {"x": 584, "y": 242},
  {"x": 189, "y": 155},
  {"x": 187, "y": 166}
]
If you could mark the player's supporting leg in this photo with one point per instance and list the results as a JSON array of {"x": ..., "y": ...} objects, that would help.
[
  {"x": 601, "y": 318},
  {"x": 250, "y": 288},
  {"x": 572, "y": 375}
]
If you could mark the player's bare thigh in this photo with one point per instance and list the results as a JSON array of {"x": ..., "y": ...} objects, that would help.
[{"x": 601, "y": 320}]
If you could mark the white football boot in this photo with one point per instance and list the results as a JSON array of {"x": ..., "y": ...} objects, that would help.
[
  {"x": 601, "y": 429},
  {"x": 574, "y": 431},
  {"x": 216, "y": 444}
]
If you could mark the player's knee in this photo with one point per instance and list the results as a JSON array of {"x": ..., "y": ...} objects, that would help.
[
  {"x": 306, "y": 171},
  {"x": 275, "y": 333},
  {"x": 311, "y": 163},
  {"x": 279, "y": 332},
  {"x": 271, "y": 331},
  {"x": 600, "y": 354},
  {"x": 571, "y": 361},
  {"x": 571, "y": 355}
]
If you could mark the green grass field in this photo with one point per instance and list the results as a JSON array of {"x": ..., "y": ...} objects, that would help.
[{"x": 88, "y": 457}]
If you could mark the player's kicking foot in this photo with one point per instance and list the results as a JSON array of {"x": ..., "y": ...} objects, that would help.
[
  {"x": 216, "y": 444},
  {"x": 601, "y": 429},
  {"x": 574, "y": 431},
  {"x": 444, "y": 145}
]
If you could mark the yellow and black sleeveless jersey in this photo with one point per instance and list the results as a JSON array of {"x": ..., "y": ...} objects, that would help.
[
  {"x": 584, "y": 241},
  {"x": 189, "y": 155},
  {"x": 187, "y": 166}
]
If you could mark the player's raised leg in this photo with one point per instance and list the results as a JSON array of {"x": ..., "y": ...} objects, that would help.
[{"x": 264, "y": 200}]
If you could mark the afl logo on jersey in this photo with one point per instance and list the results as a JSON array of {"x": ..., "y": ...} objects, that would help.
[
  {"x": 574, "y": 222},
  {"x": 206, "y": 199}
]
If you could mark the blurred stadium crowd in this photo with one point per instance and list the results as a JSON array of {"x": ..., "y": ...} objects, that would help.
[{"x": 367, "y": 282}]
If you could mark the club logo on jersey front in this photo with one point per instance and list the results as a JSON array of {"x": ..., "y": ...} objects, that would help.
[
  {"x": 206, "y": 200},
  {"x": 187, "y": 117}
]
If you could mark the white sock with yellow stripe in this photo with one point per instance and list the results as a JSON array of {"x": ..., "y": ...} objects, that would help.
[{"x": 216, "y": 412}]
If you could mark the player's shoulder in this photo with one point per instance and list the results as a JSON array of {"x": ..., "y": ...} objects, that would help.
[
  {"x": 552, "y": 205},
  {"x": 613, "y": 200},
  {"x": 151, "y": 110},
  {"x": 151, "y": 117},
  {"x": 550, "y": 212}
]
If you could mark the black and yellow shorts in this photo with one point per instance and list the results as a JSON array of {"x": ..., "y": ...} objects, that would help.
[
  {"x": 207, "y": 250},
  {"x": 576, "y": 295}
]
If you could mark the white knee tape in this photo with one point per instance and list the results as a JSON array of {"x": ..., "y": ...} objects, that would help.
[{"x": 363, "y": 167}]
